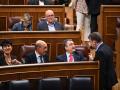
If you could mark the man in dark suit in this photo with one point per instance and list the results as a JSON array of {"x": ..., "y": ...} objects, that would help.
[
  {"x": 33, "y": 2},
  {"x": 66, "y": 2},
  {"x": 70, "y": 55},
  {"x": 48, "y": 2},
  {"x": 94, "y": 11},
  {"x": 105, "y": 55},
  {"x": 49, "y": 24},
  {"x": 39, "y": 56}
]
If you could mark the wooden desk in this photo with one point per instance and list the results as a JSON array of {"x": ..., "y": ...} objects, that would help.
[
  {"x": 33, "y": 71},
  {"x": 53, "y": 39},
  {"x": 35, "y": 11}
]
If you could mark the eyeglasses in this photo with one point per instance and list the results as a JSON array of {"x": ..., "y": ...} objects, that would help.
[
  {"x": 50, "y": 15},
  {"x": 44, "y": 47}
]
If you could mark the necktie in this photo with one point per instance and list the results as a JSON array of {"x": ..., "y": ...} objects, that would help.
[
  {"x": 41, "y": 59},
  {"x": 71, "y": 58}
]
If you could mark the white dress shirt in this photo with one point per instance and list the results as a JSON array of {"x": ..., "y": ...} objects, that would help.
[
  {"x": 68, "y": 58},
  {"x": 38, "y": 58}
]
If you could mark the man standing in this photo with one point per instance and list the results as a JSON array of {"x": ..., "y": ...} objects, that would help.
[
  {"x": 105, "y": 55},
  {"x": 94, "y": 11},
  {"x": 39, "y": 55}
]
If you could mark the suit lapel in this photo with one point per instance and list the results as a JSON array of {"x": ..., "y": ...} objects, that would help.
[
  {"x": 46, "y": 26},
  {"x": 96, "y": 53},
  {"x": 34, "y": 58},
  {"x": 45, "y": 58},
  {"x": 65, "y": 57},
  {"x": 75, "y": 57}
]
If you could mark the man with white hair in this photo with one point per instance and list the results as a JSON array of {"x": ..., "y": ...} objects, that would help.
[{"x": 39, "y": 55}]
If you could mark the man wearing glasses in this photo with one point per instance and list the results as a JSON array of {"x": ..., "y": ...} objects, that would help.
[{"x": 49, "y": 23}]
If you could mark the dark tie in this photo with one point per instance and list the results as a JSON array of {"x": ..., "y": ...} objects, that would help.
[{"x": 41, "y": 59}]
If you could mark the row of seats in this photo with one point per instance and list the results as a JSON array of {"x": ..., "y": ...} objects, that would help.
[
  {"x": 16, "y": 19},
  {"x": 76, "y": 83},
  {"x": 25, "y": 49}
]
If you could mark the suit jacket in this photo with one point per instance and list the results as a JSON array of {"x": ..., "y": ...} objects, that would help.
[
  {"x": 46, "y": 2},
  {"x": 107, "y": 1},
  {"x": 33, "y": 2},
  {"x": 63, "y": 58},
  {"x": 107, "y": 71},
  {"x": 43, "y": 26},
  {"x": 93, "y": 6},
  {"x": 19, "y": 27},
  {"x": 63, "y": 1},
  {"x": 31, "y": 58}
]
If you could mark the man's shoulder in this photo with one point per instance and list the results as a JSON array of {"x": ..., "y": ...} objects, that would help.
[
  {"x": 61, "y": 56},
  {"x": 56, "y": 22}
]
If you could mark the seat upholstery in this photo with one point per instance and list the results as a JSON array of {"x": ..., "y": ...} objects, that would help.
[
  {"x": 26, "y": 49},
  {"x": 81, "y": 83},
  {"x": 12, "y": 21},
  {"x": 117, "y": 27},
  {"x": 50, "y": 84},
  {"x": 83, "y": 49},
  {"x": 19, "y": 85}
]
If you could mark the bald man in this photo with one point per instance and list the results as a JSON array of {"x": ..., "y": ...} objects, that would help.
[
  {"x": 50, "y": 23},
  {"x": 39, "y": 55}
]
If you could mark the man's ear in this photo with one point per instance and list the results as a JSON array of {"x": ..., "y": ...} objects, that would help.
[{"x": 65, "y": 47}]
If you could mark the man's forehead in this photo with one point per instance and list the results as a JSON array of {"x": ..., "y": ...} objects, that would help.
[
  {"x": 70, "y": 42},
  {"x": 49, "y": 12}
]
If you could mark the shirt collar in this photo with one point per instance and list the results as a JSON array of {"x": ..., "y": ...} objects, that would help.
[
  {"x": 98, "y": 45},
  {"x": 37, "y": 54},
  {"x": 51, "y": 23}
]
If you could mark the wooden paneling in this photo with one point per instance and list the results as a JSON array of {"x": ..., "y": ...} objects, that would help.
[
  {"x": 17, "y": 2},
  {"x": 13, "y": 2},
  {"x": 3, "y": 24},
  {"x": 54, "y": 40},
  {"x": 108, "y": 17},
  {"x": 3, "y": 2},
  {"x": 118, "y": 53},
  {"x": 35, "y": 11},
  {"x": 68, "y": 70}
]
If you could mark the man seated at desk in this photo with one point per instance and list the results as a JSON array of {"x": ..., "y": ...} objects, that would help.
[
  {"x": 49, "y": 24},
  {"x": 70, "y": 55},
  {"x": 25, "y": 24},
  {"x": 39, "y": 55}
]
